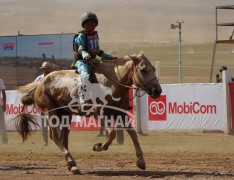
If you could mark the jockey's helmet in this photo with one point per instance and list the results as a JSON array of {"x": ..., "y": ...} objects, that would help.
[
  {"x": 223, "y": 68},
  {"x": 88, "y": 16}
]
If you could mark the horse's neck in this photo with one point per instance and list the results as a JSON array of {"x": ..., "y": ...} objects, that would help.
[{"x": 111, "y": 73}]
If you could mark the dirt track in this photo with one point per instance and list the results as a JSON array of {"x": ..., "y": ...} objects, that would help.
[{"x": 168, "y": 155}]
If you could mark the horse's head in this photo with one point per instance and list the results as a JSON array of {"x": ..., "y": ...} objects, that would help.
[{"x": 143, "y": 75}]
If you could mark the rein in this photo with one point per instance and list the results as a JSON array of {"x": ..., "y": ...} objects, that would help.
[{"x": 117, "y": 82}]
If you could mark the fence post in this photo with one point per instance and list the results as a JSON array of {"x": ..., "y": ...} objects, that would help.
[
  {"x": 157, "y": 72},
  {"x": 226, "y": 79}
]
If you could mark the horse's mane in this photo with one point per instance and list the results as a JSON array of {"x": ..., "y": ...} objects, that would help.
[
  {"x": 140, "y": 55},
  {"x": 128, "y": 57}
]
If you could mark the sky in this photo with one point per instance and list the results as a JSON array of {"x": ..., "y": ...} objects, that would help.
[{"x": 119, "y": 20}]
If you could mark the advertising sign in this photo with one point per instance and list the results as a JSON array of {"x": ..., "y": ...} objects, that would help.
[
  {"x": 185, "y": 106},
  {"x": 8, "y": 46}
]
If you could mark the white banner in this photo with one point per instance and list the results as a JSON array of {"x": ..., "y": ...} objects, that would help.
[
  {"x": 58, "y": 45},
  {"x": 196, "y": 106},
  {"x": 184, "y": 106},
  {"x": 14, "y": 107}
]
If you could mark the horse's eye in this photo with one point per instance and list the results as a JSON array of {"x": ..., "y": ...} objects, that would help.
[
  {"x": 144, "y": 70},
  {"x": 142, "y": 67}
]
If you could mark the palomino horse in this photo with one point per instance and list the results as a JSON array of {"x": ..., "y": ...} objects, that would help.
[{"x": 54, "y": 94}]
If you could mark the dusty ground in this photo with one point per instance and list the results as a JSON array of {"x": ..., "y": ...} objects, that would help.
[{"x": 168, "y": 155}]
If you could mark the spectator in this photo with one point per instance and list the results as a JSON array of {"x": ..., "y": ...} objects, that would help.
[
  {"x": 218, "y": 78},
  {"x": 3, "y": 131},
  {"x": 46, "y": 68}
]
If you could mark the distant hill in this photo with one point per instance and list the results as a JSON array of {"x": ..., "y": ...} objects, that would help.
[{"x": 119, "y": 20}]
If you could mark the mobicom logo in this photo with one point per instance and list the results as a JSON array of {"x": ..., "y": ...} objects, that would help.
[
  {"x": 191, "y": 108},
  {"x": 159, "y": 108},
  {"x": 12, "y": 109}
]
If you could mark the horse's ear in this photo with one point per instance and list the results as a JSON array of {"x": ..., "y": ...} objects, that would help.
[
  {"x": 133, "y": 58},
  {"x": 142, "y": 54}
]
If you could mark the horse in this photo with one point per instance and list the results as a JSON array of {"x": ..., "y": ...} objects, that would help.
[{"x": 54, "y": 93}]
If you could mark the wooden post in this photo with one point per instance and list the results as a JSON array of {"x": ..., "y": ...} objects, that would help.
[
  {"x": 136, "y": 111},
  {"x": 157, "y": 72},
  {"x": 226, "y": 79}
]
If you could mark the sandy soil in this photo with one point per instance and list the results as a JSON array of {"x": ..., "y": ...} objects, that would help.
[
  {"x": 113, "y": 169},
  {"x": 201, "y": 156}
]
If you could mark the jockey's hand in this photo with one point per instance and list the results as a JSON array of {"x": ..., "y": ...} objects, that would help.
[{"x": 87, "y": 58}]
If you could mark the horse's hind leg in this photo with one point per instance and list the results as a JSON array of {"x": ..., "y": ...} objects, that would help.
[
  {"x": 65, "y": 134},
  {"x": 54, "y": 117}
]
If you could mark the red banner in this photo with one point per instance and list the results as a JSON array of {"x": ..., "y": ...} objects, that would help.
[{"x": 231, "y": 85}]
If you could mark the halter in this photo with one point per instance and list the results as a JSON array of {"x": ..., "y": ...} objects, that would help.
[{"x": 142, "y": 84}]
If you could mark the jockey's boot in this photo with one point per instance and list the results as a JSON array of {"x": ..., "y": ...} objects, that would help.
[
  {"x": 82, "y": 95},
  {"x": 81, "y": 99}
]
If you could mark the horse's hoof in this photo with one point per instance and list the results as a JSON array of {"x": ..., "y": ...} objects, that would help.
[
  {"x": 97, "y": 147},
  {"x": 141, "y": 165},
  {"x": 71, "y": 163},
  {"x": 105, "y": 148},
  {"x": 69, "y": 168},
  {"x": 75, "y": 170}
]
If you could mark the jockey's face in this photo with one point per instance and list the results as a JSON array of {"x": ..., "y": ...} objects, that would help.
[{"x": 90, "y": 26}]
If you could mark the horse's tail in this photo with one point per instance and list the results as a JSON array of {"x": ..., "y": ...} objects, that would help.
[
  {"x": 25, "y": 121},
  {"x": 28, "y": 91},
  {"x": 24, "y": 124}
]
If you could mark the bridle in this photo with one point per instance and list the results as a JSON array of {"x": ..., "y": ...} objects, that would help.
[
  {"x": 142, "y": 84},
  {"x": 137, "y": 75}
]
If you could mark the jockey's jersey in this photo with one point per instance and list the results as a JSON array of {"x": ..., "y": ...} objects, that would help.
[{"x": 90, "y": 44}]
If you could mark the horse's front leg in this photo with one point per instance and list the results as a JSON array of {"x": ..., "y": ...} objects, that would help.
[
  {"x": 103, "y": 147},
  {"x": 111, "y": 136},
  {"x": 140, "y": 159}
]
